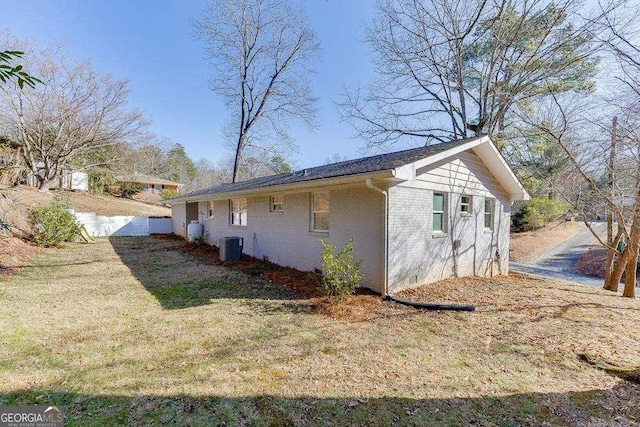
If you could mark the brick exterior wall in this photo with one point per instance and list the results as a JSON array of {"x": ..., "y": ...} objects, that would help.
[
  {"x": 417, "y": 255},
  {"x": 285, "y": 237}
]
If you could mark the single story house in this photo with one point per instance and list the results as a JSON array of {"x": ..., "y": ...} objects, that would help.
[
  {"x": 416, "y": 216},
  {"x": 150, "y": 183}
]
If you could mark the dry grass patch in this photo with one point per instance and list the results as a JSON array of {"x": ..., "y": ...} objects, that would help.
[
  {"x": 528, "y": 246},
  {"x": 135, "y": 331},
  {"x": 23, "y": 199}
]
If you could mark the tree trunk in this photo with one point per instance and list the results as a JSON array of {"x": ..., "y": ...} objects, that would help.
[
  {"x": 611, "y": 252},
  {"x": 630, "y": 277},
  {"x": 632, "y": 252},
  {"x": 619, "y": 268},
  {"x": 236, "y": 162},
  {"x": 609, "y": 284}
]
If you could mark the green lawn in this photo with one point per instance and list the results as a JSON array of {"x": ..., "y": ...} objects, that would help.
[{"x": 134, "y": 331}]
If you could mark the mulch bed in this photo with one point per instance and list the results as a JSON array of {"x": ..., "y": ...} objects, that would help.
[{"x": 364, "y": 305}]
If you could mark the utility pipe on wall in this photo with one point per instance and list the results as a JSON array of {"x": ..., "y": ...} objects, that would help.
[{"x": 370, "y": 185}]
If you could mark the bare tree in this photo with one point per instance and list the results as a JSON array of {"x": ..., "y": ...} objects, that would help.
[
  {"x": 261, "y": 52},
  {"x": 451, "y": 69},
  {"x": 71, "y": 113},
  {"x": 584, "y": 141}
]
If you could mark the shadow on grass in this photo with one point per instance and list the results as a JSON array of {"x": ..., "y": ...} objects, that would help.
[
  {"x": 181, "y": 280},
  {"x": 602, "y": 407}
]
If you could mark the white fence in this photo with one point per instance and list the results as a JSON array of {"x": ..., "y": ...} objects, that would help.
[{"x": 105, "y": 226}]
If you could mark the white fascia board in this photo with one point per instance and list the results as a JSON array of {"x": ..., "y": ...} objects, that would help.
[{"x": 320, "y": 183}]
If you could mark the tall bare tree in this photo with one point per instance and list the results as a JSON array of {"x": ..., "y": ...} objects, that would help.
[
  {"x": 73, "y": 111},
  {"x": 450, "y": 69},
  {"x": 261, "y": 52},
  {"x": 585, "y": 144}
]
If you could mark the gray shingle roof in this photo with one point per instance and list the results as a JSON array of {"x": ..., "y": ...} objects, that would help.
[{"x": 363, "y": 165}]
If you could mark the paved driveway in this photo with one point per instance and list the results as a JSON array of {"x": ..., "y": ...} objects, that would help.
[{"x": 560, "y": 261}]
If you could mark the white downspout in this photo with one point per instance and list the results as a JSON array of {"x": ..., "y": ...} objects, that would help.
[{"x": 370, "y": 185}]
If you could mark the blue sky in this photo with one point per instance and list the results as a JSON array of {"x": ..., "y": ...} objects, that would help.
[{"x": 151, "y": 42}]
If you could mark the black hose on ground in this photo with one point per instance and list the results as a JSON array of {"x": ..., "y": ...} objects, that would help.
[{"x": 430, "y": 306}]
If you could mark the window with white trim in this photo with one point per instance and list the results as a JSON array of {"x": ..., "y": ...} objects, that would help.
[
  {"x": 488, "y": 213},
  {"x": 439, "y": 213},
  {"x": 276, "y": 203},
  {"x": 465, "y": 205},
  {"x": 320, "y": 211},
  {"x": 238, "y": 212},
  {"x": 210, "y": 209}
]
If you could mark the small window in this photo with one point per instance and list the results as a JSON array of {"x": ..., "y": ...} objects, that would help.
[
  {"x": 488, "y": 213},
  {"x": 439, "y": 209},
  {"x": 277, "y": 204},
  {"x": 210, "y": 209},
  {"x": 320, "y": 211},
  {"x": 239, "y": 212},
  {"x": 465, "y": 205}
]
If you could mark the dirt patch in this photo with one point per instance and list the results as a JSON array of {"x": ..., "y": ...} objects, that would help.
[{"x": 528, "y": 246}]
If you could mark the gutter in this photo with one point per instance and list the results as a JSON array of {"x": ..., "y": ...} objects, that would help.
[{"x": 369, "y": 183}]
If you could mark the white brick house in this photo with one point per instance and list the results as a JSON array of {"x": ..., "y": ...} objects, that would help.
[{"x": 415, "y": 216}]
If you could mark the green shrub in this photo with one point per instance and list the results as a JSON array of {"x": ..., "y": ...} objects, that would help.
[
  {"x": 99, "y": 182},
  {"x": 169, "y": 194},
  {"x": 53, "y": 224},
  {"x": 341, "y": 274},
  {"x": 536, "y": 213},
  {"x": 129, "y": 189}
]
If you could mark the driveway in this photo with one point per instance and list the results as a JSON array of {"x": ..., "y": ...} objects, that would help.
[{"x": 560, "y": 261}]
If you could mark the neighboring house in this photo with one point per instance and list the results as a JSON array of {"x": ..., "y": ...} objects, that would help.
[
  {"x": 415, "y": 216},
  {"x": 150, "y": 183},
  {"x": 69, "y": 179}
]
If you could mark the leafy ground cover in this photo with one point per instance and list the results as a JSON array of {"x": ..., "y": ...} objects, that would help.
[{"x": 139, "y": 331}]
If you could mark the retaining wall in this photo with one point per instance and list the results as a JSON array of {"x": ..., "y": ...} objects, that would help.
[{"x": 105, "y": 226}]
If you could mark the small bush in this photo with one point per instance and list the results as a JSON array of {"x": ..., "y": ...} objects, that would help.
[
  {"x": 341, "y": 272},
  {"x": 129, "y": 189},
  {"x": 169, "y": 194},
  {"x": 536, "y": 213},
  {"x": 53, "y": 224}
]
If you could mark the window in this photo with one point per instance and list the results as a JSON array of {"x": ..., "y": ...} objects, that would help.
[
  {"x": 465, "y": 205},
  {"x": 239, "y": 212},
  {"x": 209, "y": 209},
  {"x": 439, "y": 209},
  {"x": 276, "y": 204},
  {"x": 320, "y": 211},
  {"x": 488, "y": 213}
]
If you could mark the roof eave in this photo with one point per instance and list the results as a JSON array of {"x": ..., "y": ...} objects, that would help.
[{"x": 300, "y": 185}]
